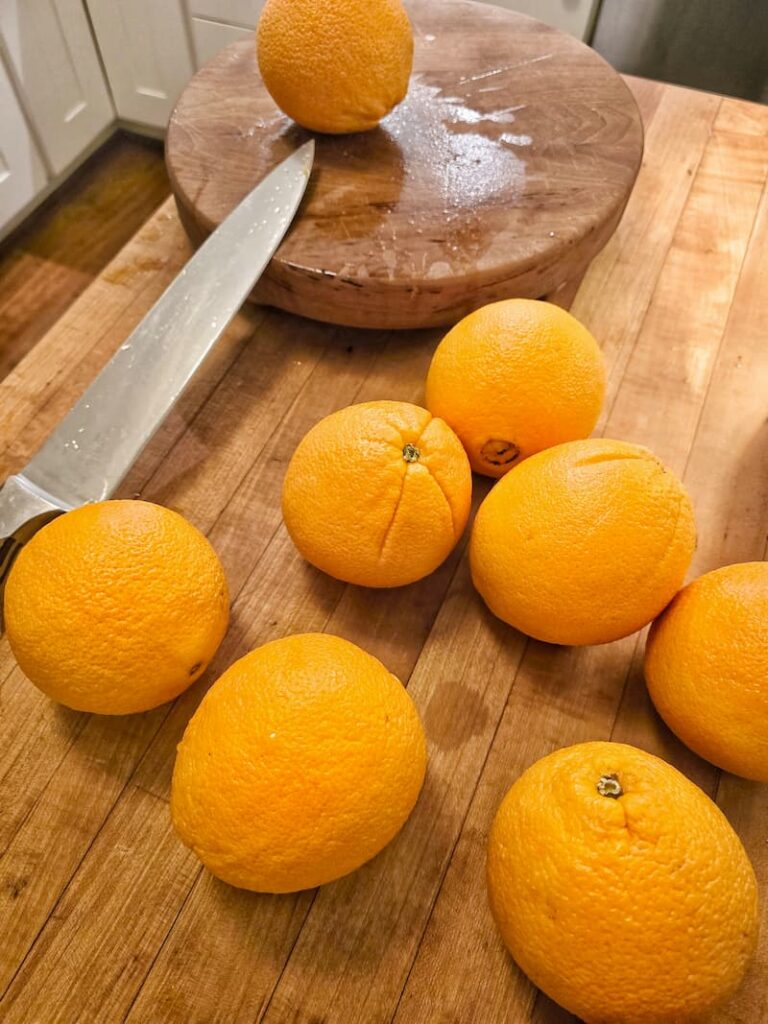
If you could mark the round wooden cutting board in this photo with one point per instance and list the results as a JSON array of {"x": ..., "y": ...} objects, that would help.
[{"x": 503, "y": 172}]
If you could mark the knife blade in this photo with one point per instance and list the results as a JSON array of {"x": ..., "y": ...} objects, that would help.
[{"x": 92, "y": 449}]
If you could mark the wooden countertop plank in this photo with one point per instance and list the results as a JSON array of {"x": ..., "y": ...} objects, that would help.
[
  {"x": 95, "y": 953},
  {"x": 728, "y": 477},
  {"x": 678, "y": 343},
  {"x": 708, "y": 254},
  {"x": 739, "y": 116},
  {"x": 57, "y": 833},
  {"x": 50, "y": 378},
  {"x": 618, "y": 288},
  {"x": 34, "y": 737},
  {"x": 727, "y": 472}
]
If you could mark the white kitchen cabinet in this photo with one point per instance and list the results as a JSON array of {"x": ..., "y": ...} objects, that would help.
[
  {"x": 51, "y": 54},
  {"x": 244, "y": 13},
  {"x": 573, "y": 16},
  {"x": 145, "y": 48},
  {"x": 208, "y": 37},
  {"x": 22, "y": 174}
]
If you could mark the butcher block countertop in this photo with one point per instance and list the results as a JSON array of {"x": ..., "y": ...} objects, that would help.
[{"x": 106, "y": 917}]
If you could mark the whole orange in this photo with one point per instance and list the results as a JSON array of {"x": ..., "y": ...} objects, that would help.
[
  {"x": 516, "y": 377},
  {"x": 302, "y": 762},
  {"x": 706, "y": 664},
  {"x": 620, "y": 888},
  {"x": 335, "y": 65},
  {"x": 583, "y": 543},
  {"x": 378, "y": 494},
  {"x": 116, "y": 607}
]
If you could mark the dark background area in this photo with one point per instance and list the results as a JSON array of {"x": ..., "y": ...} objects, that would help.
[{"x": 717, "y": 45}]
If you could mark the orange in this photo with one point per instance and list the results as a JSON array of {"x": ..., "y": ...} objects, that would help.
[
  {"x": 378, "y": 494},
  {"x": 620, "y": 888},
  {"x": 116, "y": 607},
  {"x": 514, "y": 378},
  {"x": 302, "y": 762},
  {"x": 335, "y": 65},
  {"x": 706, "y": 664},
  {"x": 583, "y": 543}
]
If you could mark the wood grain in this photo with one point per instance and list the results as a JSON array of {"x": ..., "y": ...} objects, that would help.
[
  {"x": 107, "y": 917},
  {"x": 48, "y": 262},
  {"x": 504, "y": 172}
]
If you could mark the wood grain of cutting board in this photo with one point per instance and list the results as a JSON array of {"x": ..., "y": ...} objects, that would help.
[
  {"x": 106, "y": 916},
  {"x": 503, "y": 172}
]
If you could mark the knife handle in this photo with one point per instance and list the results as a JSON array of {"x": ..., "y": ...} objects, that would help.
[{"x": 23, "y": 510}]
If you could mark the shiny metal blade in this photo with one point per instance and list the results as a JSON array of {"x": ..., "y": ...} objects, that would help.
[{"x": 94, "y": 446}]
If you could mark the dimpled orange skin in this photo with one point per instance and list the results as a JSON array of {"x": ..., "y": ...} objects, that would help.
[
  {"x": 636, "y": 910},
  {"x": 583, "y": 543},
  {"x": 516, "y": 377},
  {"x": 116, "y": 607},
  {"x": 302, "y": 762},
  {"x": 378, "y": 494},
  {"x": 706, "y": 665},
  {"x": 335, "y": 66}
]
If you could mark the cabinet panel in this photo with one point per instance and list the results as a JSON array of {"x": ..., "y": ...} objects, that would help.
[
  {"x": 573, "y": 16},
  {"x": 22, "y": 174},
  {"x": 208, "y": 37},
  {"x": 52, "y": 54},
  {"x": 145, "y": 47},
  {"x": 238, "y": 12}
]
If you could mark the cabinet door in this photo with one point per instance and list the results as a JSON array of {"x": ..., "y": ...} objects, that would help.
[
  {"x": 21, "y": 170},
  {"x": 145, "y": 48},
  {"x": 573, "y": 16},
  {"x": 243, "y": 13},
  {"x": 53, "y": 57},
  {"x": 208, "y": 37}
]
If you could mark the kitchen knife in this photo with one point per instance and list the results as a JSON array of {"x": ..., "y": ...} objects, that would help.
[{"x": 94, "y": 446}]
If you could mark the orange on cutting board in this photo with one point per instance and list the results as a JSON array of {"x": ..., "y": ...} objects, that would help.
[
  {"x": 335, "y": 65},
  {"x": 516, "y": 377},
  {"x": 377, "y": 494},
  {"x": 302, "y": 762},
  {"x": 706, "y": 665},
  {"x": 583, "y": 543},
  {"x": 116, "y": 607},
  {"x": 620, "y": 888}
]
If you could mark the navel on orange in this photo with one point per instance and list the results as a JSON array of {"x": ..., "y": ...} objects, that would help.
[
  {"x": 116, "y": 607},
  {"x": 706, "y": 665},
  {"x": 620, "y": 888},
  {"x": 583, "y": 543},
  {"x": 335, "y": 65},
  {"x": 302, "y": 762},
  {"x": 377, "y": 494},
  {"x": 516, "y": 377}
]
